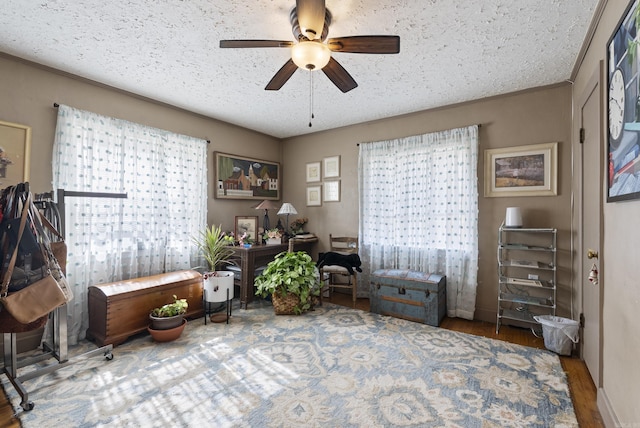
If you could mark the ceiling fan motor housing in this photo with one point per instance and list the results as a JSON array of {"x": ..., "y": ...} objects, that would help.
[{"x": 303, "y": 34}]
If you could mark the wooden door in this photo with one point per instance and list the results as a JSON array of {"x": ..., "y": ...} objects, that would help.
[{"x": 590, "y": 227}]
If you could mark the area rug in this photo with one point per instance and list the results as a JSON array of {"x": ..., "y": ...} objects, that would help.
[{"x": 333, "y": 367}]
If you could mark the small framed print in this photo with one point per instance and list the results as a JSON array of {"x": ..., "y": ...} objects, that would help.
[
  {"x": 331, "y": 191},
  {"x": 332, "y": 166},
  {"x": 247, "y": 225},
  {"x": 313, "y": 196},
  {"x": 313, "y": 172}
]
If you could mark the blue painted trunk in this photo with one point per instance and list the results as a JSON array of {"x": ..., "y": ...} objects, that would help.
[{"x": 411, "y": 295}]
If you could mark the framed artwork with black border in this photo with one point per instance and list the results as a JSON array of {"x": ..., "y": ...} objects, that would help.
[{"x": 623, "y": 108}]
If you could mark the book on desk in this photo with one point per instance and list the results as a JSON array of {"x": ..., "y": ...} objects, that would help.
[{"x": 305, "y": 237}]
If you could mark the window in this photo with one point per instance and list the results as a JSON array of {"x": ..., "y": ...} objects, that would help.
[
  {"x": 419, "y": 209},
  {"x": 165, "y": 179}
]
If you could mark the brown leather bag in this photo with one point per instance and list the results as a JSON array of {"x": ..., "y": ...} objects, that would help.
[{"x": 34, "y": 301}]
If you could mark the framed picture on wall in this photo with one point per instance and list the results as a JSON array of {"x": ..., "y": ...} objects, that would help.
[
  {"x": 521, "y": 171},
  {"x": 313, "y": 172},
  {"x": 314, "y": 197},
  {"x": 15, "y": 153},
  {"x": 246, "y": 178},
  {"x": 331, "y": 191},
  {"x": 623, "y": 133},
  {"x": 248, "y": 225},
  {"x": 332, "y": 166}
]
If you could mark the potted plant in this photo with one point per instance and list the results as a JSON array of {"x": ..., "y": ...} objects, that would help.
[
  {"x": 215, "y": 246},
  {"x": 273, "y": 237},
  {"x": 167, "y": 321},
  {"x": 297, "y": 226},
  {"x": 292, "y": 280}
]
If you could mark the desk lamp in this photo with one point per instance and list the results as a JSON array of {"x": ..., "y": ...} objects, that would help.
[
  {"x": 287, "y": 209},
  {"x": 266, "y": 205}
]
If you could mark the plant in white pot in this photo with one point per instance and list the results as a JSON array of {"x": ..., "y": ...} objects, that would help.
[
  {"x": 215, "y": 246},
  {"x": 292, "y": 280}
]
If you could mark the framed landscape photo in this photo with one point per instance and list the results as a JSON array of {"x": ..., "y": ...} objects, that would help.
[
  {"x": 246, "y": 178},
  {"x": 332, "y": 166},
  {"x": 248, "y": 225},
  {"x": 314, "y": 197},
  {"x": 521, "y": 171},
  {"x": 15, "y": 153},
  {"x": 313, "y": 172},
  {"x": 623, "y": 131}
]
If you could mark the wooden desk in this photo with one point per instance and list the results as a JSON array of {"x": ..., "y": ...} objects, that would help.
[{"x": 258, "y": 255}]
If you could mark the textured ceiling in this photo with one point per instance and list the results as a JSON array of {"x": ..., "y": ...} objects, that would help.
[{"x": 168, "y": 50}]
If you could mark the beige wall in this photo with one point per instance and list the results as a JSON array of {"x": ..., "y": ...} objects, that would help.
[
  {"x": 530, "y": 117},
  {"x": 28, "y": 94},
  {"x": 619, "y": 394}
]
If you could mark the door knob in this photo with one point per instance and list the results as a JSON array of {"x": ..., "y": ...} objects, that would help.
[{"x": 592, "y": 254}]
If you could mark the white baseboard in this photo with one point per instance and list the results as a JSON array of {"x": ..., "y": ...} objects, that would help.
[{"x": 606, "y": 411}]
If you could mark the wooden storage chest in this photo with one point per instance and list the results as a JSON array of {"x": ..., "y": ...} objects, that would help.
[
  {"x": 411, "y": 295},
  {"x": 121, "y": 309}
]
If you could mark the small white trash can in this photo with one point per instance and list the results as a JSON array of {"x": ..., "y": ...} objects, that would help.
[{"x": 559, "y": 333}]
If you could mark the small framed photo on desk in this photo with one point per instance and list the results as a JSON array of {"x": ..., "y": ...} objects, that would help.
[{"x": 246, "y": 225}]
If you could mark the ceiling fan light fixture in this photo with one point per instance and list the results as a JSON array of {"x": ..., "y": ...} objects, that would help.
[{"x": 310, "y": 55}]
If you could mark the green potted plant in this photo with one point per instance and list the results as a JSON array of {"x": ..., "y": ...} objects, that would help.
[
  {"x": 292, "y": 280},
  {"x": 215, "y": 246},
  {"x": 167, "y": 321}
]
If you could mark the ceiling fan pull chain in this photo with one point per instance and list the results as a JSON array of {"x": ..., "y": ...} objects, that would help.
[{"x": 310, "y": 97}]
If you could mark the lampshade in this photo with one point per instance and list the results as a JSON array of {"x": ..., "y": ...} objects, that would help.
[
  {"x": 287, "y": 208},
  {"x": 266, "y": 205},
  {"x": 513, "y": 217},
  {"x": 310, "y": 55}
]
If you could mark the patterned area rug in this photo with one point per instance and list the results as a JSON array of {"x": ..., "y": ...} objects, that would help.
[{"x": 334, "y": 367}]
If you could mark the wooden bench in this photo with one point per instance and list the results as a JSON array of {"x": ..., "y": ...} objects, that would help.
[{"x": 121, "y": 309}]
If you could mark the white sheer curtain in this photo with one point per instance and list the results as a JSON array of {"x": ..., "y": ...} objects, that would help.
[
  {"x": 419, "y": 210},
  {"x": 165, "y": 178}
]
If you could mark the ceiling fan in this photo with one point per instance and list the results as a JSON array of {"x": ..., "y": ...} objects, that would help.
[{"x": 310, "y": 21}]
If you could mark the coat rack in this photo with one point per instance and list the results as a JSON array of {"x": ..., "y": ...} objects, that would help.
[{"x": 57, "y": 324}]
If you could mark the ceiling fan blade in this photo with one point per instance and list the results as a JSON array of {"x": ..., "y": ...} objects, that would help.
[
  {"x": 311, "y": 14},
  {"x": 281, "y": 76},
  {"x": 255, "y": 44},
  {"x": 339, "y": 76},
  {"x": 365, "y": 44}
]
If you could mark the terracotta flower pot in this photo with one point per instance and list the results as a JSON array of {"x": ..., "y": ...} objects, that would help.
[{"x": 169, "y": 334}]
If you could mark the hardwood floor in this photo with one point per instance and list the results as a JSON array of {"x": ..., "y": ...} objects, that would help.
[{"x": 582, "y": 389}]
